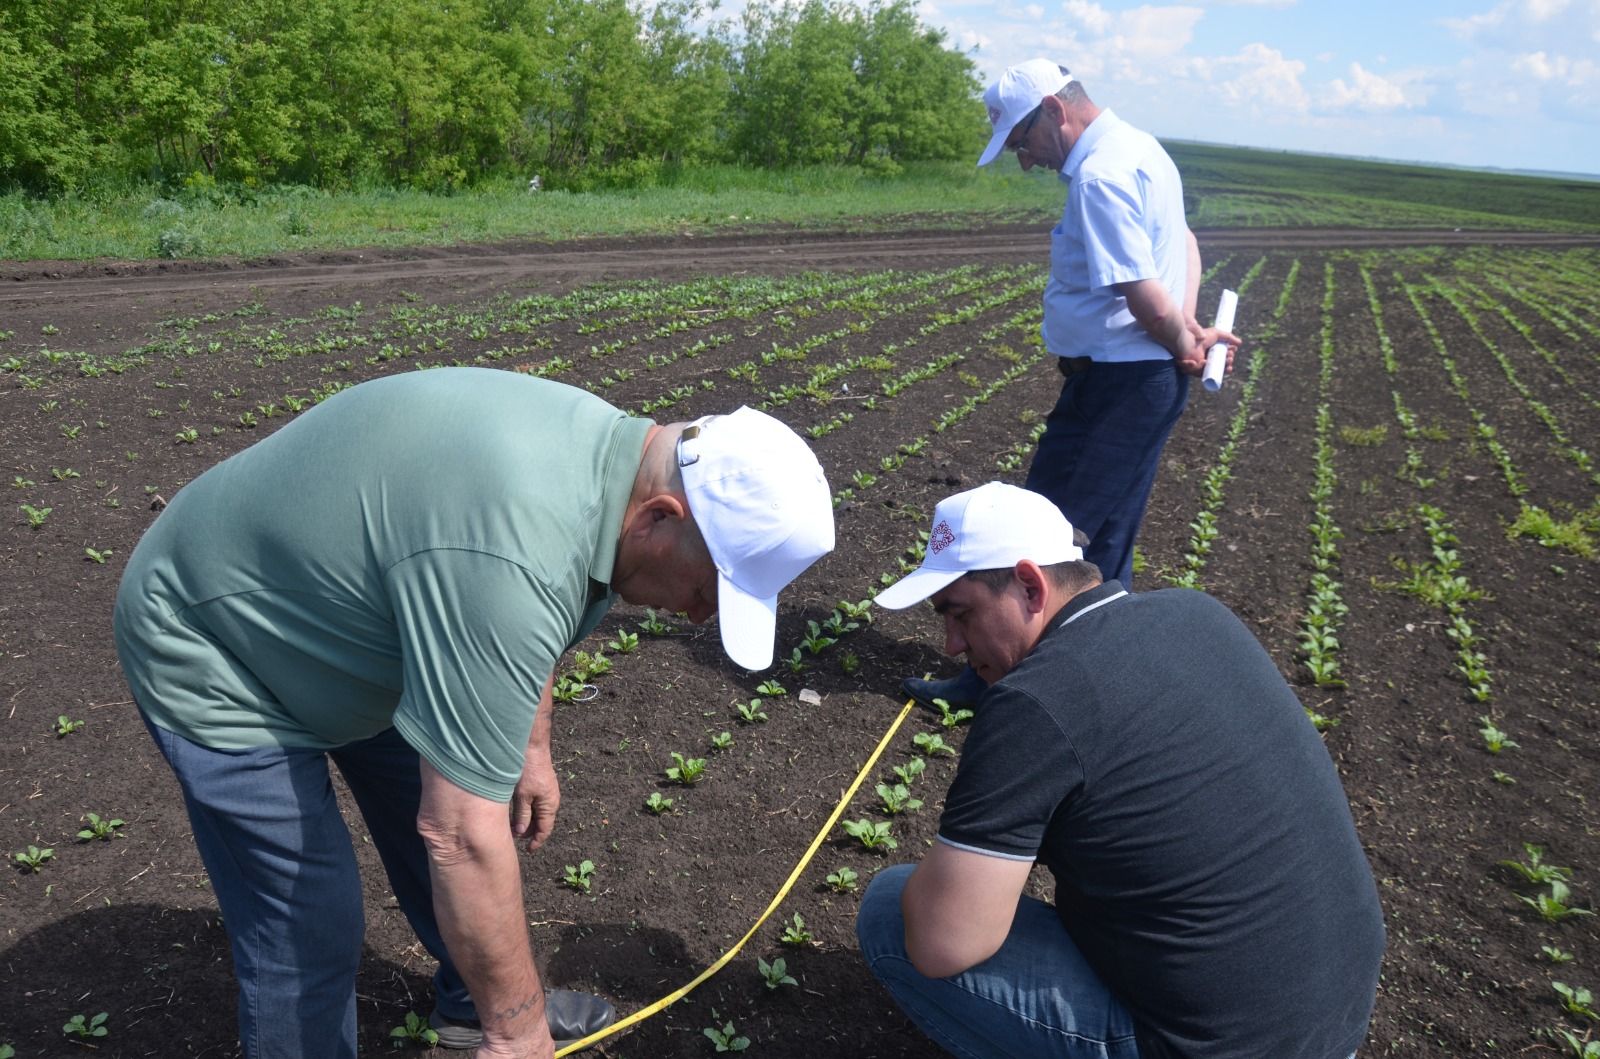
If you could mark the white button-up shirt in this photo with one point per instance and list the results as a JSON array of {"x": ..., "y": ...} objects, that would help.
[{"x": 1123, "y": 221}]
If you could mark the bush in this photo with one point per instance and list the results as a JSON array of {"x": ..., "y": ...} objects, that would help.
[{"x": 178, "y": 242}]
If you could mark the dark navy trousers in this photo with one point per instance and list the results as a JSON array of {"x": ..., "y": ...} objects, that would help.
[{"x": 1101, "y": 447}]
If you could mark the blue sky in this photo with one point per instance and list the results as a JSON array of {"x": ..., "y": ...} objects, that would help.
[{"x": 1506, "y": 83}]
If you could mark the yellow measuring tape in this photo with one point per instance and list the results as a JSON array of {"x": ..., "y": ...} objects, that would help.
[{"x": 816, "y": 843}]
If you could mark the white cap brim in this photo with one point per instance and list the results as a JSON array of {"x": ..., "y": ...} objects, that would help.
[
  {"x": 997, "y": 143},
  {"x": 749, "y": 624},
  {"x": 915, "y": 587}
]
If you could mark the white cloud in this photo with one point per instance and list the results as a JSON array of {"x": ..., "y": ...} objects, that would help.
[
  {"x": 1369, "y": 91},
  {"x": 1148, "y": 33},
  {"x": 1089, "y": 15},
  {"x": 1262, "y": 79}
]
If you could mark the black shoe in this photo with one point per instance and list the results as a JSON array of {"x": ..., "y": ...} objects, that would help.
[
  {"x": 959, "y": 692},
  {"x": 572, "y": 1017}
]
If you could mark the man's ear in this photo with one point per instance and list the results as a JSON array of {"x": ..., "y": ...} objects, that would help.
[
  {"x": 1035, "y": 585},
  {"x": 1055, "y": 110},
  {"x": 647, "y": 518}
]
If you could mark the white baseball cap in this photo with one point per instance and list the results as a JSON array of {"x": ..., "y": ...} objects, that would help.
[
  {"x": 766, "y": 513},
  {"x": 1013, "y": 97},
  {"x": 992, "y": 527}
]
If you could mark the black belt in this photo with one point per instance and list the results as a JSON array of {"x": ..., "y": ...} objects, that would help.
[{"x": 1072, "y": 365}]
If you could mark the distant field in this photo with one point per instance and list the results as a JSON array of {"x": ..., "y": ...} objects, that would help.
[
  {"x": 1232, "y": 187},
  {"x": 1225, "y": 187}
]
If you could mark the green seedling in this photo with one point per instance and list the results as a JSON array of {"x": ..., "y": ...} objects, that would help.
[
  {"x": 849, "y": 663},
  {"x": 96, "y": 555},
  {"x": 842, "y": 881},
  {"x": 1576, "y": 1000},
  {"x": 105, "y": 830},
  {"x": 722, "y": 740},
  {"x": 771, "y": 689},
  {"x": 861, "y": 611},
  {"x": 873, "y": 834},
  {"x": 836, "y": 625},
  {"x": 1581, "y": 1048},
  {"x": 78, "y": 1026},
  {"x": 795, "y": 663},
  {"x": 687, "y": 771},
  {"x": 750, "y": 712},
  {"x": 657, "y": 804},
  {"x": 726, "y": 1038},
  {"x": 931, "y": 743},
  {"x": 66, "y": 725},
  {"x": 654, "y": 625},
  {"x": 187, "y": 436},
  {"x": 952, "y": 718},
  {"x": 586, "y": 666},
  {"x": 1555, "y": 954},
  {"x": 795, "y": 932},
  {"x": 909, "y": 772},
  {"x": 416, "y": 1030},
  {"x": 897, "y": 799},
  {"x": 62, "y": 474},
  {"x": 35, "y": 515},
  {"x": 1536, "y": 871},
  {"x": 776, "y": 973},
  {"x": 1494, "y": 740},
  {"x": 20, "y": 482},
  {"x": 33, "y": 857},
  {"x": 566, "y": 689},
  {"x": 816, "y": 641},
  {"x": 7, "y": 1052},
  {"x": 625, "y": 643},
  {"x": 1553, "y": 905},
  {"x": 1504, "y": 777},
  {"x": 580, "y": 878}
]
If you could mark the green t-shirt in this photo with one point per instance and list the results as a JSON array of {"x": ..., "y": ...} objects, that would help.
[{"x": 417, "y": 551}]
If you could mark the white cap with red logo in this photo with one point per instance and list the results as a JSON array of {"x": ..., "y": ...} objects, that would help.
[
  {"x": 764, "y": 508},
  {"x": 1013, "y": 97},
  {"x": 992, "y": 527}
]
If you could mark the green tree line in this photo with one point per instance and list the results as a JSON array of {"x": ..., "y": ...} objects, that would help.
[{"x": 442, "y": 94}]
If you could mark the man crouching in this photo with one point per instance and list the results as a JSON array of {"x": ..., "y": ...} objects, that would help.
[{"x": 1212, "y": 897}]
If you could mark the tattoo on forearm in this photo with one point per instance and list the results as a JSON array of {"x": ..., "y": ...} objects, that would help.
[{"x": 536, "y": 1000}]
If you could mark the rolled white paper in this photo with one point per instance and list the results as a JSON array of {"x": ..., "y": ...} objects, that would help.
[{"x": 1217, "y": 355}]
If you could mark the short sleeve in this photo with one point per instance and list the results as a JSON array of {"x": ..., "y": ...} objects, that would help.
[
  {"x": 479, "y": 636},
  {"x": 1116, "y": 244},
  {"x": 1017, "y": 768}
]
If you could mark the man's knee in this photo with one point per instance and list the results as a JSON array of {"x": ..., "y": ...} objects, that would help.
[{"x": 880, "y": 928}]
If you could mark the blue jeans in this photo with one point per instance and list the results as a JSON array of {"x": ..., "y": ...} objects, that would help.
[
  {"x": 1036, "y": 997},
  {"x": 272, "y": 839},
  {"x": 1101, "y": 447}
]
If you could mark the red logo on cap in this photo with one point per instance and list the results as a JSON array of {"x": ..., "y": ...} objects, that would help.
[{"x": 941, "y": 537}]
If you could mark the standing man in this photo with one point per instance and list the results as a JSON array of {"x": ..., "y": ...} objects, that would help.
[
  {"x": 1119, "y": 313},
  {"x": 1212, "y": 898},
  {"x": 389, "y": 582}
]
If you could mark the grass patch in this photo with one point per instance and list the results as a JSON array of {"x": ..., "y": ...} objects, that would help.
[
  {"x": 1225, "y": 188},
  {"x": 1366, "y": 437},
  {"x": 1574, "y": 536}
]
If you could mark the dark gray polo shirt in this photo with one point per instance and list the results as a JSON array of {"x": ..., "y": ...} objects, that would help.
[{"x": 1149, "y": 753}]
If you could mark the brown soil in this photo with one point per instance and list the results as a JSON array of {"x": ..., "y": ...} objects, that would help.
[{"x": 129, "y": 926}]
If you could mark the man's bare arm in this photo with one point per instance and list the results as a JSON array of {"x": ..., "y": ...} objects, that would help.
[
  {"x": 477, "y": 897},
  {"x": 538, "y": 794},
  {"x": 958, "y": 908}
]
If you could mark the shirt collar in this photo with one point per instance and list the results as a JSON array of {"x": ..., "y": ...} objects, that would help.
[
  {"x": 1092, "y": 135},
  {"x": 1083, "y": 602}
]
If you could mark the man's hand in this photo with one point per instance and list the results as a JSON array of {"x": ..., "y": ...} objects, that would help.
[
  {"x": 536, "y": 799},
  {"x": 542, "y": 1046},
  {"x": 537, "y": 795},
  {"x": 1193, "y": 360}
]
